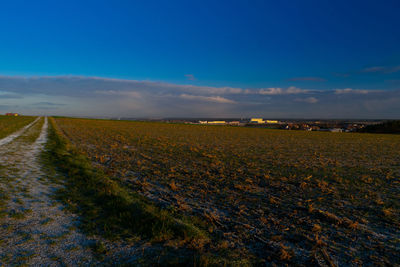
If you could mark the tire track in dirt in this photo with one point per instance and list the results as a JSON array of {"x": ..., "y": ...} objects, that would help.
[{"x": 34, "y": 228}]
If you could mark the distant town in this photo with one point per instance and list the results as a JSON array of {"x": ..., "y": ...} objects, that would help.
[{"x": 284, "y": 124}]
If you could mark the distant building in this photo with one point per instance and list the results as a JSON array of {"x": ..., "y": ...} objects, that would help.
[
  {"x": 212, "y": 122},
  {"x": 217, "y": 122},
  {"x": 257, "y": 120},
  {"x": 336, "y": 130},
  {"x": 271, "y": 121},
  {"x": 12, "y": 114}
]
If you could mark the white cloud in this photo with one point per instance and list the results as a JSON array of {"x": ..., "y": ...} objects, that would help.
[
  {"x": 281, "y": 91},
  {"x": 354, "y": 91},
  {"x": 132, "y": 94},
  {"x": 4, "y": 94},
  {"x": 216, "y": 99},
  {"x": 382, "y": 69},
  {"x": 96, "y": 96},
  {"x": 204, "y": 89},
  {"x": 270, "y": 91},
  {"x": 310, "y": 100}
]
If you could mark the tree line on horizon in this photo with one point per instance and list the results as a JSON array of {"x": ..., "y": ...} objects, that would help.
[{"x": 392, "y": 126}]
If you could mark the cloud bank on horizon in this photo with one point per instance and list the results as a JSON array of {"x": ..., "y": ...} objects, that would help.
[{"x": 107, "y": 97}]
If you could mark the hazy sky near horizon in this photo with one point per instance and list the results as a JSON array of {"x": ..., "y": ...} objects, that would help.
[{"x": 303, "y": 59}]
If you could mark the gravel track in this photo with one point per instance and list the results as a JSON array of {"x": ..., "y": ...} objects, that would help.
[{"x": 34, "y": 229}]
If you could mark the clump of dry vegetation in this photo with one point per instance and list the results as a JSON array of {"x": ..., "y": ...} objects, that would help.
[
  {"x": 266, "y": 195},
  {"x": 8, "y": 125}
]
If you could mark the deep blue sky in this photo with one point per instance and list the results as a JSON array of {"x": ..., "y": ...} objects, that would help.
[
  {"x": 324, "y": 45},
  {"x": 235, "y": 43}
]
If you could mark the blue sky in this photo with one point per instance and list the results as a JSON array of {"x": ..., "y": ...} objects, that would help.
[{"x": 319, "y": 47}]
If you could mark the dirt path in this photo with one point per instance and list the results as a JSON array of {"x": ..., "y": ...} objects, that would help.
[{"x": 34, "y": 228}]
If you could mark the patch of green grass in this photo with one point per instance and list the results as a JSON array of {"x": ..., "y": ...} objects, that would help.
[
  {"x": 56, "y": 259},
  {"x": 23, "y": 257},
  {"x": 18, "y": 201},
  {"x": 51, "y": 242},
  {"x": 61, "y": 236},
  {"x": 25, "y": 236},
  {"x": 16, "y": 215},
  {"x": 46, "y": 221},
  {"x": 27, "y": 195},
  {"x": 4, "y": 197},
  {"x": 9, "y": 228},
  {"x": 99, "y": 249},
  {"x": 73, "y": 248},
  {"x": 23, "y": 189},
  {"x": 19, "y": 214},
  {"x": 6, "y": 258}
]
